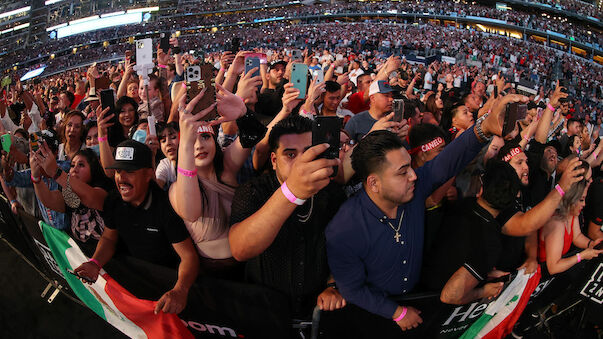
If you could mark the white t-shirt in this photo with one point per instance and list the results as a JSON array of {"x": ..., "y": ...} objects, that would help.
[
  {"x": 166, "y": 172},
  {"x": 428, "y": 79}
]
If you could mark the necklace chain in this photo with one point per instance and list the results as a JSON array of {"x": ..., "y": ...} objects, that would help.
[{"x": 397, "y": 230}]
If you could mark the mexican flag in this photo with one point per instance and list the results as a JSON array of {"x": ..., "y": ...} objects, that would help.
[
  {"x": 500, "y": 316},
  {"x": 132, "y": 316}
]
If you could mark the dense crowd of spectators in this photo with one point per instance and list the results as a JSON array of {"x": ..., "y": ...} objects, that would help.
[
  {"x": 341, "y": 172},
  {"x": 180, "y": 22}
]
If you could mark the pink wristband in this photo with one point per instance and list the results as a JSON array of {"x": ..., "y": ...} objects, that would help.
[
  {"x": 549, "y": 106},
  {"x": 579, "y": 257},
  {"x": 290, "y": 196},
  {"x": 402, "y": 315},
  {"x": 187, "y": 173},
  {"x": 161, "y": 66},
  {"x": 560, "y": 190},
  {"x": 101, "y": 139},
  {"x": 95, "y": 262}
]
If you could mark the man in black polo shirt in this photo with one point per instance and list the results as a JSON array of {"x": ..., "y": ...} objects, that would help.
[
  {"x": 269, "y": 100},
  {"x": 469, "y": 248},
  {"x": 278, "y": 220},
  {"x": 139, "y": 213}
]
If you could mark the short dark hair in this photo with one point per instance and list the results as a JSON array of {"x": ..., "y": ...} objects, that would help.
[
  {"x": 70, "y": 96},
  {"x": 500, "y": 184},
  {"x": 293, "y": 124},
  {"x": 170, "y": 126},
  {"x": 423, "y": 133},
  {"x": 574, "y": 120},
  {"x": 369, "y": 154},
  {"x": 332, "y": 86}
]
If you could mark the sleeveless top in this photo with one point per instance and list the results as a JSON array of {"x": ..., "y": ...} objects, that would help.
[
  {"x": 210, "y": 231},
  {"x": 567, "y": 242}
]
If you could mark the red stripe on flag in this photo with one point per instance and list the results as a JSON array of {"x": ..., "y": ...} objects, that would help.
[{"x": 141, "y": 313}]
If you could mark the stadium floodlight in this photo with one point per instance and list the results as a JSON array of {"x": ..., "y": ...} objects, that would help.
[
  {"x": 15, "y": 12},
  {"x": 50, "y": 2},
  {"x": 113, "y": 14},
  {"x": 55, "y": 27},
  {"x": 144, "y": 9},
  {"x": 16, "y": 28},
  {"x": 32, "y": 74},
  {"x": 89, "y": 18},
  {"x": 99, "y": 23}
]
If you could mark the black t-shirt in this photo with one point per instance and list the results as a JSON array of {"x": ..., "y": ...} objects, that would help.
[
  {"x": 296, "y": 261},
  {"x": 593, "y": 211},
  {"x": 514, "y": 253},
  {"x": 470, "y": 239},
  {"x": 149, "y": 230},
  {"x": 540, "y": 182},
  {"x": 271, "y": 101}
]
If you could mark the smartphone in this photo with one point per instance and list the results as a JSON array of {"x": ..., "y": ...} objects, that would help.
[
  {"x": 398, "y": 108},
  {"x": 503, "y": 279},
  {"x": 164, "y": 42},
  {"x": 299, "y": 78},
  {"x": 514, "y": 111},
  {"x": 251, "y": 63},
  {"x": 80, "y": 276},
  {"x": 296, "y": 54},
  {"x": 151, "y": 124},
  {"x": 563, "y": 83},
  {"x": 235, "y": 45},
  {"x": 130, "y": 56},
  {"x": 495, "y": 92},
  {"x": 144, "y": 52},
  {"x": 6, "y": 142},
  {"x": 326, "y": 130},
  {"x": 204, "y": 79},
  {"x": 107, "y": 99},
  {"x": 318, "y": 75},
  {"x": 34, "y": 141}
]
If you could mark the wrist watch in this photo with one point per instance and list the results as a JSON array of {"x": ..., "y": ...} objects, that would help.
[
  {"x": 57, "y": 174},
  {"x": 478, "y": 128}
]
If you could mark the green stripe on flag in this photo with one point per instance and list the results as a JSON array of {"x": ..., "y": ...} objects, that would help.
[
  {"x": 58, "y": 242},
  {"x": 476, "y": 327}
]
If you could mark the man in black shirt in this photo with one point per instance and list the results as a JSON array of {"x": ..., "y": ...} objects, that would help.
[
  {"x": 270, "y": 99},
  {"x": 141, "y": 216},
  {"x": 469, "y": 250},
  {"x": 280, "y": 231}
]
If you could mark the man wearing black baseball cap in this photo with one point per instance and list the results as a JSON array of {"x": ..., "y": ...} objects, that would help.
[{"x": 140, "y": 213}]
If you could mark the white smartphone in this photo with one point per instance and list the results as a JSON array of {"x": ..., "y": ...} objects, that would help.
[
  {"x": 151, "y": 123},
  {"x": 144, "y": 52},
  {"x": 318, "y": 75}
]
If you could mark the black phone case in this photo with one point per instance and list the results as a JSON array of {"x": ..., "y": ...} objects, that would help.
[{"x": 326, "y": 130}]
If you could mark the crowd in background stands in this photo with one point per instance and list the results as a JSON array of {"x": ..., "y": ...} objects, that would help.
[
  {"x": 435, "y": 199},
  {"x": 576, "y": 6},
  {"x": 570, "y": 29}
]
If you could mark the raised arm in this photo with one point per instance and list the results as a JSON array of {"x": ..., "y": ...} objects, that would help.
[
  {"x": 522, "y": 224},
  {"x": 544, "y": 124},
  {"x": 250, "y": 237},
  {"x": 106, "y": 154}
]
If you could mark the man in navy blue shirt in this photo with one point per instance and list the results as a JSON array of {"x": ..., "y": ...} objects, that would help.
[{"x": 375, "y": 241}]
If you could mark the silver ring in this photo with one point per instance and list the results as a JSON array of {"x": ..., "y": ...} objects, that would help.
[{"x": 185, "y": 111}]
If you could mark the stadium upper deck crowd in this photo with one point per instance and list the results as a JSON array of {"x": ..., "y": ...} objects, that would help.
[{"x": 434, "y": 197}]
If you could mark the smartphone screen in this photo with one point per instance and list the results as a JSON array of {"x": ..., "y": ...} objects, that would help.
[
  {"x": 34, "y": 141},
  {"x": 299, "y": 78},
  {"x": 80, "y": 276},
  {"x": 398, "y": 108},
  {"x": 515, "y": 111},
  {"x": 326, "y": 130},
  {"x": 6, "y": 142}
]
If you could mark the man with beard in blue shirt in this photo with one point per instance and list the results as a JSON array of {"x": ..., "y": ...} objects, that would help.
[{"x": 375, "y": 241}]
